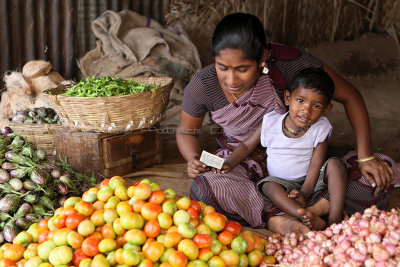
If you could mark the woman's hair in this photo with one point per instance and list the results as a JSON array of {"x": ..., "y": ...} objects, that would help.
[
  {"x": 316, "y": 79},
  {"x": 240, "y": 31}
]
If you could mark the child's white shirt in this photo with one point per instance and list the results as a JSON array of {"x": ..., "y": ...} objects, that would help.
[{"x": 289, "y": 158}]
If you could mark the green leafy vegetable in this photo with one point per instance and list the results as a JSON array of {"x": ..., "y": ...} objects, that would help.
[{"x": 107, "y": 86}]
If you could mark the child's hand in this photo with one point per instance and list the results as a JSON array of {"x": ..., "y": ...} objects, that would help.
[
  {"x": 297, "y": 196},
  {"x": 226, "y": 167}
]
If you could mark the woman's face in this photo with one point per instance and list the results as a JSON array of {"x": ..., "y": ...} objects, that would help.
[{"x": 236, "y": 74}]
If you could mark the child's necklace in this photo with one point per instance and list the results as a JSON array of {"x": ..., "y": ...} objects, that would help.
[{"x": 290, "y": 130}]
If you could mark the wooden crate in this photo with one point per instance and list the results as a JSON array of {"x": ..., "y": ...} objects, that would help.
[{"x": 107, "y": 155}]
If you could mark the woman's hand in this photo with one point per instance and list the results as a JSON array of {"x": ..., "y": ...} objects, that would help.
[
  {"x": 196, "y": 167},
  {"x": 378, "y": 173}
]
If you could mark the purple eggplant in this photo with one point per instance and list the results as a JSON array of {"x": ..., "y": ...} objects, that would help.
[
  {"x": 55, "y": 173},
  {"x": 4, "y": 175},
  {"x": 16, "y": 184},
  {"x": 31, "y": 198},
  {"x": 61, "y": 188},
  {"x": 30, "y": 185},
  {"x": 9, "y": 232},
  {"x": 23, "y": 223},
  {"x": 1, "y": 237},
  {"x": 32, "y": 217},
  {"x": 18, "y": 173},
  {"x": 9, "y": 202},
  {"x": 19, "y": 159},
  {"x": 24, "y": 209},
  {"x": 40, "y": 153},
  {"x": 6, "y": 131},
  {"x": 61, "y": 200},
  {"x": 9, "y": 166},
  {"x": 38, "y": 176}
]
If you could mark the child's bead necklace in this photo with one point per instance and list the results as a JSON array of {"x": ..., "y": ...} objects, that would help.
[{"x": 290, "y": 130}]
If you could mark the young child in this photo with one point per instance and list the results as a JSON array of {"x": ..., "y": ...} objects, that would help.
[{"x": 296, "y": 145}]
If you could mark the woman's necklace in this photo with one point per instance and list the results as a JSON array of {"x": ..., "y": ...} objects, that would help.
[
  {"x": 234, "y": 96},
  {"x": 290, "y": 130}
]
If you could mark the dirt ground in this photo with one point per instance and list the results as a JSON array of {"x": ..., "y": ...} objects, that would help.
[{"x": 371, "y": 63}]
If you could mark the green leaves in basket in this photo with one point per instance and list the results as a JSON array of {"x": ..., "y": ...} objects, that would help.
[{"x": 107, "y": 86}]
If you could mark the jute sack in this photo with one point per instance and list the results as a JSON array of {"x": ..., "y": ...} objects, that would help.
[
  {"x": 36, "y": 68},
  {"x": 41, "y": 83},
  {"x": 16, "y": 83}
]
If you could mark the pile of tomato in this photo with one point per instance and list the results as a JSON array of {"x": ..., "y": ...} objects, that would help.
[{"x": 116, "y": 224}]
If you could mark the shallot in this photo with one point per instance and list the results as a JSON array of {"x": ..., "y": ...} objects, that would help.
[{"x": 368, "y": 239}]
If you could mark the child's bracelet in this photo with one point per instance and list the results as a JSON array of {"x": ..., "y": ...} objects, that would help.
[{"x": 366, "y": 159}]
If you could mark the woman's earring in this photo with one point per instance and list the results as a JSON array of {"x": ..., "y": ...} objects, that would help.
[{"x": 265, "y": 70}]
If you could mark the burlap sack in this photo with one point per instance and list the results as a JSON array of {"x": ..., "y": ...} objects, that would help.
[
  {"x": 41, "y": 101},
  {"x": 42, "y": 83},
  {"x": 16, "y": 83},
  {"x": 12, "y": 102},
  {"x": 36, "y": 68}
]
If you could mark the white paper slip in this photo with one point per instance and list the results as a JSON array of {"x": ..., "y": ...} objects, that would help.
[{"x": 211, "y": 160}]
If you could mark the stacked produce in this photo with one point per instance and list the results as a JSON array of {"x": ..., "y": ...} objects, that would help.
[
  {"x": 368, "y": 239},
  {"x": 138, "y": 225},
  {"x": 107, "y": 86},
  {"x": 32, "y": 186},
  {"x": 36, "y": 115}
]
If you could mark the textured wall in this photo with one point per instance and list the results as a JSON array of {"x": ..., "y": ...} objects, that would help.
[{"x": 58, "y": 30}]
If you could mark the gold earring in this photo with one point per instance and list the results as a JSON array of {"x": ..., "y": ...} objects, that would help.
[{"x": 265, "y": 70}]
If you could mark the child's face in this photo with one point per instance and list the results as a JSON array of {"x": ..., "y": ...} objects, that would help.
[{"x": 305, "y": 107}]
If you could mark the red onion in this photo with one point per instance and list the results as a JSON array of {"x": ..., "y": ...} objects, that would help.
[{"x": 379, "y": 253}]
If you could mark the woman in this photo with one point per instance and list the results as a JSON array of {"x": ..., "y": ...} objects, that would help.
[{"x": 246, "y": 82}]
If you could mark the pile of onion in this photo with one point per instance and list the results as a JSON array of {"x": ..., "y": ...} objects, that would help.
[{"x": 368, "y": 239}]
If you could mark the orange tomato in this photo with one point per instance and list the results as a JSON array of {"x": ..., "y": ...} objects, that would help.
[
  {"x": 177, "y": 259},
  {"x": 215, "y": 221},
  {"x": 107, "y": 231},
  {"x": 205, "y": 254},
  {"x": 172, "y": 239},
  {"x": 5, "y": 262},
  {"x": 152, "y": 228},
  {"x": 84, "y": 208},
  {"x": 118, "y": 178},
  {"x": 75, "y": 239},
  {"x": 78, "y": 256},
  {"x": 43, "y": 224},
  {"x": 97, "y": 235},
  {"x": 68, "y": 211},
  {"x": 90, "y": 246},
  {"x": 138, "y": 204},
  {"x": 43, "y": 236},
  {"x": 150, "y": 211},
  {"x": 97, "y": 218},
  {"x": 157, "y": 197},
  {"x": 120, "y": 191},
  {"x": 202, "y": 240},
  {"x": 123, "y": 207},
  {"x": 257, "y": 242},
  {"x": 51, "y": 234},
  {"x": 234, "y": 227},
  {"x": 98, "y": 205},
  {"x": 15, "y": 252},
  {"x": 225, "y": 237},
  {"x": 119, "y": 256},
  {"x": 59, "y": 221},
  {"x": 130, "y": 191},
  {"x": 250, "y": 242},
  {"x": 207, "y": 210},
  {"x": 104, "y": 183},
  {"x": 73, "y": 220},
  {"x": 147, "y": 243},
  {"x": 154, "y": 251}
]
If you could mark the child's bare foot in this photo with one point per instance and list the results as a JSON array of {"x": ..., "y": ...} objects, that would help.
[
  {"x": 286, "y": 224},
  {"x": 311, "y": 220}
]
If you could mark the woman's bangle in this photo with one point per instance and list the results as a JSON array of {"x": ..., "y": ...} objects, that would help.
[{"x": 366, "y": 159}]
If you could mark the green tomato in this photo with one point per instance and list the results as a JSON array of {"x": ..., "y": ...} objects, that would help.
[
  {"x": 60, "y": 255},
  {"x": 45, "y": 248}
]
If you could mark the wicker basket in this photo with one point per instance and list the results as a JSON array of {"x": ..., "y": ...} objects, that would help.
[
  {"x": 41, "y": 135},
  {"x": 114, "y": 113}
]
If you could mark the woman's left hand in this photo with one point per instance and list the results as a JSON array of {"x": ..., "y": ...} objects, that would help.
[{"x": 378, "y": 173}]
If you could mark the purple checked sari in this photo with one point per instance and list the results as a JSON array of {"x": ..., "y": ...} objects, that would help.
[{"x": 234, "y": 194}]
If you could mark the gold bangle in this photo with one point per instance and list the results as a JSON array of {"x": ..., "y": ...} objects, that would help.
[{"x": 366, "y": 159}]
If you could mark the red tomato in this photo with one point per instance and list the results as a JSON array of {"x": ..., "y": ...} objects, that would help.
[
  {"x": 234, "y": 227},
  {"x": 78, "y": 256},
  {"x": 202, "y": 240},
  {"x": 157, "y": 197},
  {"x": 194, "y": 204},
  {"x": 152, "y": 228},
  {"x": 43, "y": 224},
  {"x": 193, "y": 213},
  {"x": 59, "y": 221},
  {"x": 90, "y": 246},
  {"x": 43, "y": 236},
  {"x": 104, "y": 183},
  {"x": 74, "y": 220},
  {"x": 7, "y": 263}
]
